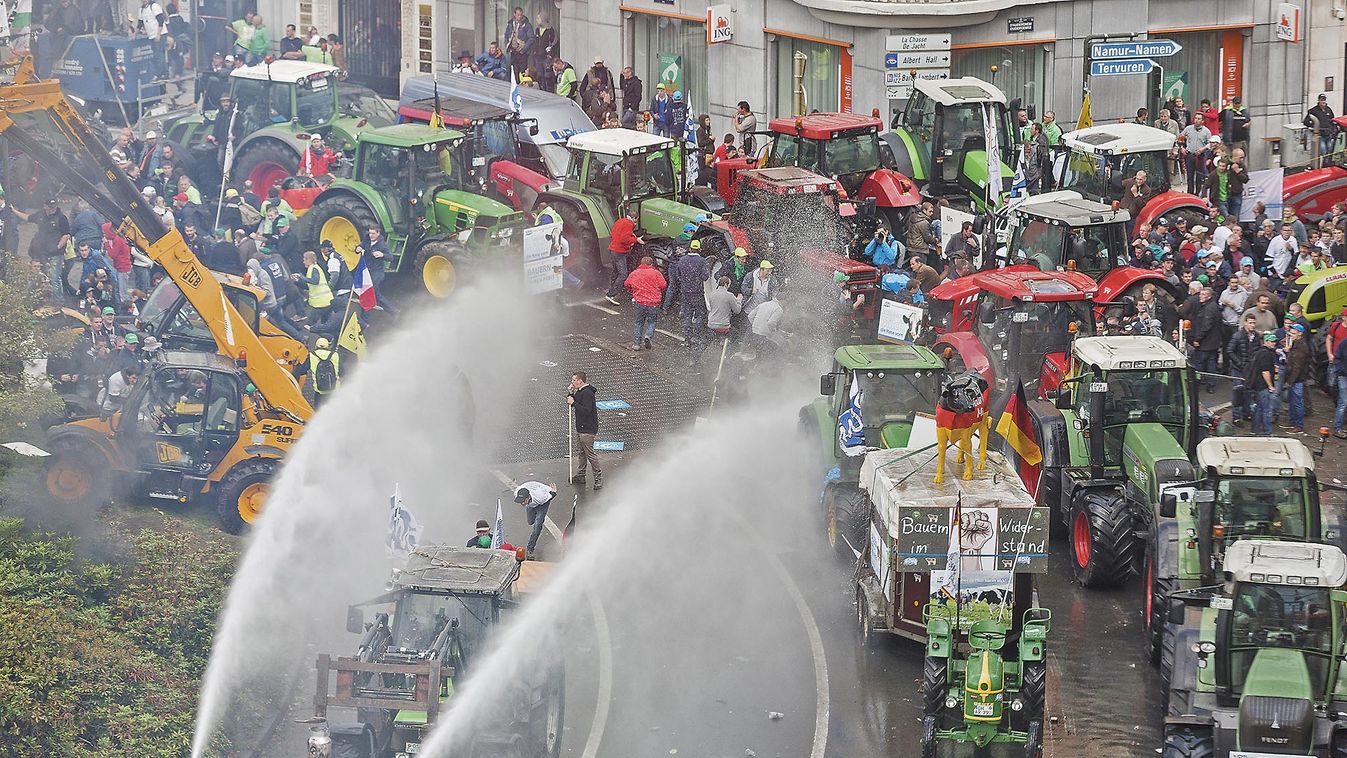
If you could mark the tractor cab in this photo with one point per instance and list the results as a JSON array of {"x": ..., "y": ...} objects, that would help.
[
  {"x": 620, "y": 168},
  {"x": 1068, "y": 234},
  {"x": 1101, "y": 159},
  {"x": 406, "y": 162},
  {"x": 891, "y": 382},
  {"x": 940, "y": 138},
  {"x": 436, "y": 622},
  {"x": 1257, "y": 662},
  {"x": 1014, "y": 324},
  {"x": 844, "y": 146},
  {"x": 1137, "y": 397},
  {"x": 1256, "y": 487}
]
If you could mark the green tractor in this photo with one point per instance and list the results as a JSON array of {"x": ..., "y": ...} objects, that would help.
[
  {"x": 893, "y": 383},
  {"x": 1124, "y": 426},
  {"x": 940, "y": 141},
  {"x": 409, "y": 181},
  {"x": 612, "y": 170},
  {"x": 280, "y": 105},
  {"x": 983, "y": 691},
  {"x": 1257, "y": 662},
  {"x": 1254, "y": 487}
]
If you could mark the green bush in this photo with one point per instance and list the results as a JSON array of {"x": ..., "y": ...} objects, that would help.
[{"x": 105, "y": 659}]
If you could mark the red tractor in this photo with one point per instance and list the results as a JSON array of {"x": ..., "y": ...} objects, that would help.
[
  {"x": 1311, "y": 193},
  {"x": 1013, "y": 324},
  {"x": 843, "y": 146},
  {"x": 797, "y": 219},
  {"x": 1060, "y": 231}
]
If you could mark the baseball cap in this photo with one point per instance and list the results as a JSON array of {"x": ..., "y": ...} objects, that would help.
[
  {"x": 1203, "y": 254},
  {"x": 766, "y": 264},
  {"x": 322, "y": 343},
  {"x": 231, "y": 192},
  {"x": 1162, "y": 222},
  {"x": 739, "y": 252},
  {"x": 695, "y": 245},
  {"x": 316, "y": 138},
  {"x": 521, "y": 495},
  {"x": 482, "y": 526},
  {"x": 108, "y": 310},
  {"x": 678, "y": 97},
  {"x": 181, "y": 197},
  {"x": 1299, "y": 328},
  {"x": 659, "y": 85},
  {"x": 1199, "y": 229},
  {"x": 1214, "y": 139},
  {"x": 1269, "y": 337},
  {"x": 325, "y": 244},
  {"x": 133, "y": 338},
  {"x": 229, "y": 59},
  {"x": 151, "y": 134},
  {"x": 689, "y": 227},
  {"x": 1246, "y": 261},
  {"x": 283, "y": 221},
  {"x": 598, "y": 59}
]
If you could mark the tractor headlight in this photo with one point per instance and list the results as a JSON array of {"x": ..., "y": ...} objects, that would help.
[
  {"x": 1206, "y": 647},
  {"x": 951, "y": 702},
  {"x": 1017, "y": 705}
]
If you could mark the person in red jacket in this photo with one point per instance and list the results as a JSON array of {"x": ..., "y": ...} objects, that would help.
[
  {"x": 646, "y": 285},
  {"x": 619, "y": 249},
  {"x": 119, "y": 252},
  {"x": 318, "y": 159}
]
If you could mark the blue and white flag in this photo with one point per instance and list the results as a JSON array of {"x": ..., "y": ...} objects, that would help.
[
  {"x": 516, "y": 97},
  {"x": 403, "y": 531},
  {"x": 498, "y": 534},
  {"x": 850, "y": 423},
  {"x": 1019, "y": 188}
]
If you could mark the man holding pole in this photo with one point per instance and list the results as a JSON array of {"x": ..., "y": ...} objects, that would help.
[{"x": 586, "y": 419}]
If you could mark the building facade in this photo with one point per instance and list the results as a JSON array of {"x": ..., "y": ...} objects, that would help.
[{"x": 831, "y": 54}]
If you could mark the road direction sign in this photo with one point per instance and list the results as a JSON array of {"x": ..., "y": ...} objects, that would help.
[
  {"x": 896, "y": 78},
  {"x": 909, "y": 42},
  {"x": 890, "y": 60},
  {"x": 920, "y": 59},
  {"x": 1122, "y": 68},
  {"x": 899, "y": 92},
  {"x": 1145, "y": 48}
]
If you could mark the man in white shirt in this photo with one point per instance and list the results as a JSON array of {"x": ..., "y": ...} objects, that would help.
[
  {"x": 1280, "y": 252},
  {"x": 150, "y": 24},
  {"x": 535, "y": 497},
  {"x": 765, "y": 322},
  {"x": 1220, "y": 236},
  {"x": 118, "y": 387}
]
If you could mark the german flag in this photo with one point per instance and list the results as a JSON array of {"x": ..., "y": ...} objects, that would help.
[{"x": 1017, "y": 428}]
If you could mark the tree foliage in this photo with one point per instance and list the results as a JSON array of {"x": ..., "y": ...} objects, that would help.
[
  {"x": 32, "y": 332},
  {"x": 104, "y": 659}
]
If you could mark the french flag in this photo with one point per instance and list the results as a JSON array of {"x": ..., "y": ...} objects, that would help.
[{"x": 363, "y": 285}]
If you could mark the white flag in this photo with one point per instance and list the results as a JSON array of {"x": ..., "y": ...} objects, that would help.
[
  {"x": 498, "y": 534},
  {"x": 993, "y": 157},
  {"x": 403, "y": 531}
]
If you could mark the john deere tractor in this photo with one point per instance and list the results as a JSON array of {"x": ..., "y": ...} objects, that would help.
[
  {"x": 612, "y": 170},
  {"x": 411, "y": 182},
  {"x": 1257, "y": 661},
  {"x": 893, "y": 383},
  {"x": 984, "y": 691},
  {"x": 940, "y": 140},
  {"x": 1124, "y": 425}
]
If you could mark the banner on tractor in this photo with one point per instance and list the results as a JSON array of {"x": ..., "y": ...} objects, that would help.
[
  {"x": 997, "y": 539},
  {"x": 544, "y": 255},
  {"x": 1266, "y": 187}
]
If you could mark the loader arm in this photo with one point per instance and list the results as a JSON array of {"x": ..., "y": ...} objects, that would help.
[{"x": 30, "y": 107}]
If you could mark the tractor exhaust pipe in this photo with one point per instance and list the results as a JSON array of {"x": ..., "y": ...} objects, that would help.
[{"x": 798, "y": 97}]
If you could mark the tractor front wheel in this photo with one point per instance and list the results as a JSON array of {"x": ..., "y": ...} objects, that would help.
[
  {"x": 78, "y": 476},
  {"x": 243, "y": 492},
  {"x": 344, "y": 221},
  {"x": 443, "y": 266},
  {"x": 934, "y": 687},
  {"x": 1184, "y": 743},
  {"x": 584, "y": 262},
  {"x": 1102, "y": 544},
  {"x": 1034, "y": 689}
]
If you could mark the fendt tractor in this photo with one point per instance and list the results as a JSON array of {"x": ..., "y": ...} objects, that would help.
[
  {"x": 940, "y": 141},
  {"x": 613, "y": 170},
  {"x": 1255, "y": 669},
  {"x": 1247, "y": 487},
  {"x": 434, "y": 625},
  {"x": 1061, "y": 231},
  {"x": 197, "y": 423},
  {"x": 411, "y": 182},
  {"x": 894, "y": 383}
]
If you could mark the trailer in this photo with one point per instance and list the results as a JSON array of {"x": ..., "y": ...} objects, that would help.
[{"x": 902, "y": 566}]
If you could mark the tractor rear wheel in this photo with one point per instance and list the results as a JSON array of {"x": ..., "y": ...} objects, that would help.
[
  {"x": 1157, "y": 589},
  {"x": 1184, "y": 743},
  {"x": 343, "y": 220},
  {"x": 585, "y": 261},
  {"x": 1034, "y": 689},
  {"x": 265, "y": 164},
  {"x": 443, "y": 266},
  {"x": 78, "y": 475},
  {"x": 934, "y": 687},
  {"x": 1102, "y": 544},
  {"x": 242, "y": 493}
]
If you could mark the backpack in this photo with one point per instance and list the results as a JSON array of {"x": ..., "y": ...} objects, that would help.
[
  {"x": 250, "y": 215},
  {"x": 325, "y": 378}
]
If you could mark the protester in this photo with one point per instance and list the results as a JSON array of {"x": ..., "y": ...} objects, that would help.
[
  {"x": 622, "y": 240},
  {"x": 580, "y": 397},
  {"x": 646, "y": 285},
  {"x": 535, "y": 497}
]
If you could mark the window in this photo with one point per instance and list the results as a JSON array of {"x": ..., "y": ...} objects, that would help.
[
  {"x": 649, "y": 174},
  {"x": 604, "y": 176},
  {"x": 1020, "y": 71},
  {"x": 1136, "y": 397},
  {"x": 317, "y": 101},
  {"x": 496, "y": 14},
  {"x": 852, "y": 154},
  {"x": 819, "y": 82},
  {"x": 789, "y": 150},
  {"x": 1289, "y": 618},
  {"x": 1193, "y": 72},
  {"x": 1250, "y": 506},
  {"x": 425, "y": 46},
  {"x": 263, "y": 103},
  {"x": 382, "y": 166},
  {"x": 671, "y": 49}
]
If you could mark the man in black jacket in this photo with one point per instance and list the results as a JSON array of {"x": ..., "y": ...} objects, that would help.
[
  {"x": 1321, "y": 117},
  {"x": 1238, "y": 355},
  {"x": 581, "y": 399},
  {"x": 1261, "y": 379},
  {"x": 1205, "y": 337}
]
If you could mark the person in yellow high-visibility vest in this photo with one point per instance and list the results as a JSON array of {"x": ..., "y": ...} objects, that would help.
[
  {"x": 320, "y": 292},
  {"x": 324, "y": 370}
]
